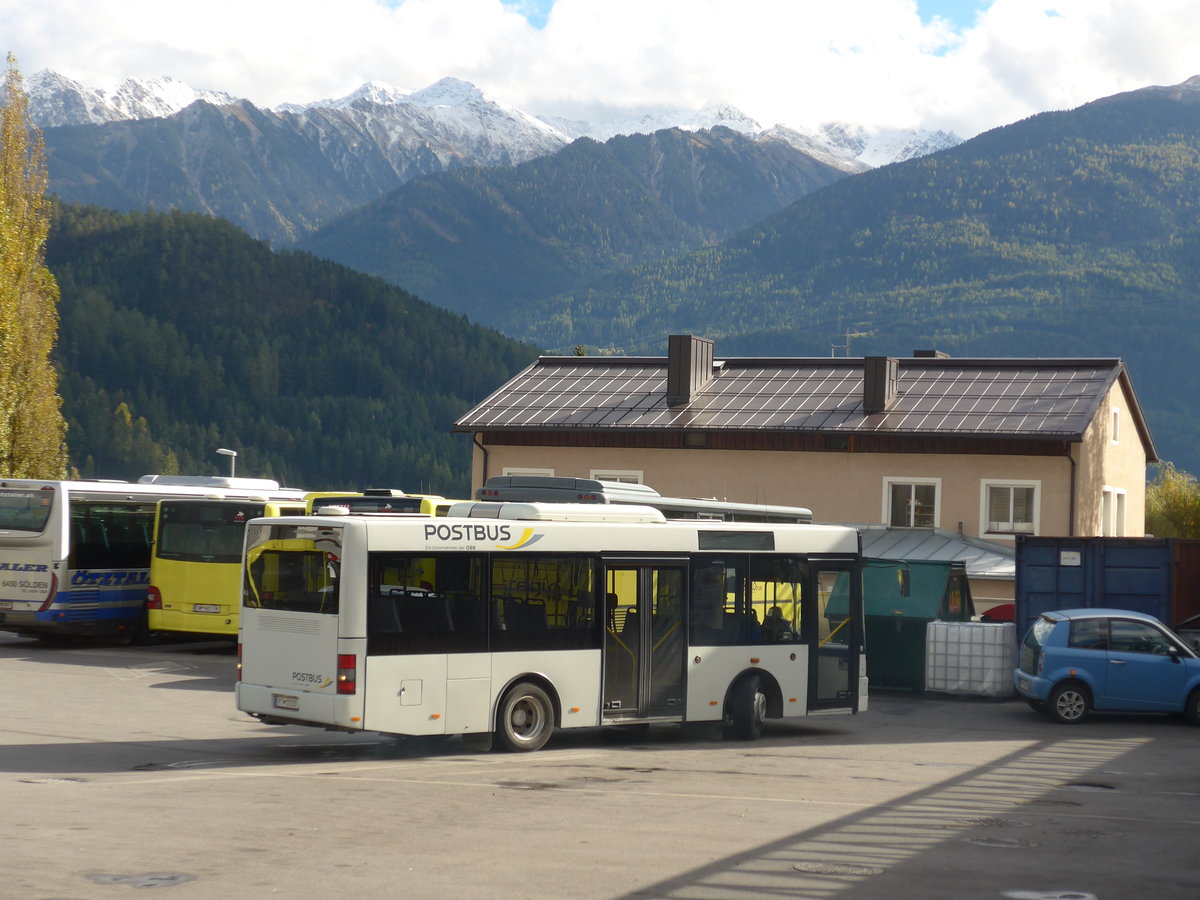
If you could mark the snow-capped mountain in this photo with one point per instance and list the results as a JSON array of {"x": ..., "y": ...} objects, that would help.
[
  {"x": 57, "y": 100},
  {"x": 852, "y": 148},
  {"x": 456, "y": 111},
  {"x": 883, "y": 146},
  {"x": 652, "y": 119},
  {"x": 453, "y": 120},
  {"x": 281, "y": 173},
  {"x": 374, "y": 92}
]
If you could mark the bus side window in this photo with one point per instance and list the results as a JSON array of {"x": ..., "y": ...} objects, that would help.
[
  {"x": 524, "y": 615},
  {"x": 776, "y": 593}
]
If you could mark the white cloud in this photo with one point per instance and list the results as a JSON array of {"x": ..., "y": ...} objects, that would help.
[{"x": 793, "y": 61}]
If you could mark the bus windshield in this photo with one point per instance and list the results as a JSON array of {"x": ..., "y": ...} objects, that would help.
[
  {"x": 203, "y": 531},
  {"x": 23, "y": 509},
  {"x": 293, "y": 567}
]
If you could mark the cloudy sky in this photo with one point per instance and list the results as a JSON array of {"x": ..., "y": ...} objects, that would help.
[{"x": 961, "y": 65}]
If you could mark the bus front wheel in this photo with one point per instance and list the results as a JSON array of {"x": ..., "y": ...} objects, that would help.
[{"x": 525, "y": 718}]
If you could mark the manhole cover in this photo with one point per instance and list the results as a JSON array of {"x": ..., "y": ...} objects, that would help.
[
  {"x": 837, "y": 869},
  {"x": 1048, "y": 802},
  {"x": 148, "y": 880},
  {"x": 993, "y": 822},
  {"x": 1004, "y": 843},
  {"x": 52, "y": 780},
  {"x": 529, "y": 785},
  {"x": 1088, "y": 833}
]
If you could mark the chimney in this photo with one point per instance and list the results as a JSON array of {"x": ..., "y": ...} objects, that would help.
[
  {"x": 880, "y": 381},
  {"x": 689, "y": 366}
]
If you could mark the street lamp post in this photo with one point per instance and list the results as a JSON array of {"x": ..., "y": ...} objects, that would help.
[{"x": 232, "y": 454}]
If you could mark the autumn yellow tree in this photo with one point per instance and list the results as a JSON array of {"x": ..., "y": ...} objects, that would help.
[
  {"x": 32, "y": 428},
  {"x": 1173, "y": 503}
]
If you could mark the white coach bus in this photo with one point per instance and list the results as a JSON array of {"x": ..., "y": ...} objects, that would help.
[
  {"x": 507, "y": 620},
  {"x": 75, "y": 555}
]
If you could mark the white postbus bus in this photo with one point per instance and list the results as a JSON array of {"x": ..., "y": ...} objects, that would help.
[
  {"x": 509, "y": 620},
  {"x": 75, "y": 555}
]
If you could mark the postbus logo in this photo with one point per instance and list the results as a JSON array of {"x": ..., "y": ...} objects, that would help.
[
  {"x": 504, "y": 537},
  {"x": 312, "y": 679}
]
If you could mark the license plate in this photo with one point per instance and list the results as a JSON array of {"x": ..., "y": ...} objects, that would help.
[
  {"x": 1024, "y": 683},
  {"x": 5, "y": 604},
  {"x": 285, "y": 701},
  {"x": 206, "y": 607}
]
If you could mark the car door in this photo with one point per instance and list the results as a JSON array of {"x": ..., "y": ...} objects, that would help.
[{"x": 1142, "y": 673}]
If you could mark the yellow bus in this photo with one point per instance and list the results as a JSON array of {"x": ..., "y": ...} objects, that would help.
[{"x": 195, "y": 569}]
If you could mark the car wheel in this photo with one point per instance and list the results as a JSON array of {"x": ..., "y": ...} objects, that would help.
[
  {"x": 1192, "y": 710},
  {"x": 1069, "y": 703}
]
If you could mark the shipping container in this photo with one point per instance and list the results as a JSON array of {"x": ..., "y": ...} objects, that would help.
[{"x": 1158, "y": 576}]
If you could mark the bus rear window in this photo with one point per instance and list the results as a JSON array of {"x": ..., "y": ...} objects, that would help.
[
  {"x": 23, "y": 509},
  {"x": 203, "y": 531},
  {"x": 371, "y": 504},
  {"x": 293, "y": 568}
]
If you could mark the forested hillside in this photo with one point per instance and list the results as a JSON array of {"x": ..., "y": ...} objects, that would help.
[
  {"x": 483, "y": 240},
  {"x": 181, "y": 334},
  {"x": 1068, "y": 234}
]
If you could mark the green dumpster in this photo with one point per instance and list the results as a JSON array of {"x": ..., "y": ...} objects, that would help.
[{"x": 901, "y": 597}]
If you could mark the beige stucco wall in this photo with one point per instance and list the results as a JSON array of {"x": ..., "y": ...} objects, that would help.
[
  {"x": 837, "y": 487},
  {"x": 1119, "y": 465},
  {"x": 990, "y": 592}
]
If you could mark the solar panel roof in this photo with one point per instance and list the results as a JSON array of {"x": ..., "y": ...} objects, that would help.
[{"x": 1048, "y": 398}]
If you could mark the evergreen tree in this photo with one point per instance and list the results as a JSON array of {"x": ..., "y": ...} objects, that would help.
[{"x": 32, "y": 428}]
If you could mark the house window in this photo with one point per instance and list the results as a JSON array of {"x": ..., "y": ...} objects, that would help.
[
  {"x": 1010, "y": 507},
  {"x": 625, "y": 476},
  {"x": 1116, "y": 426},
  {"x": 1112, "y": 512},
  {"x": 516, "y": 470},
  {"x": 911, "y": 502}
]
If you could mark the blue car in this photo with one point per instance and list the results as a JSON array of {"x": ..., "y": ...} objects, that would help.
[{"x": 1074, "y": 661}]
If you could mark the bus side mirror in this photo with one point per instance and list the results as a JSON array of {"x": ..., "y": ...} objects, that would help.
[{"x": 902, "y": 574}]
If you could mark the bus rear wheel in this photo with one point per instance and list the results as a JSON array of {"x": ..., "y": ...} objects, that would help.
[
  {"x": 749, "y": 708},
  {"x": 525, "y": 718}
]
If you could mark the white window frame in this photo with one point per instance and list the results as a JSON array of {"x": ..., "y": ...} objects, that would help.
[
  {"x": 1115, "y": 425},
  {"x": 985, "y": 486},
  {"x": 625, "y": 476},
  {"x": 1112, "y": 511},
  {"x": 522, "y": 470},
  {"x": 889, "y": 480}
]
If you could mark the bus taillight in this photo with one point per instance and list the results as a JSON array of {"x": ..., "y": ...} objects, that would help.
[
  {"x": 239, "y": 661},
  {"x": 347, "y": 673},
  {"x": 153, "y": 598},
  {"x": 51, "y": 593}
]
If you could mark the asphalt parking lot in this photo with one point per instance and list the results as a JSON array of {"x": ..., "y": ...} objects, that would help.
[{"x": 127, "y": 769}]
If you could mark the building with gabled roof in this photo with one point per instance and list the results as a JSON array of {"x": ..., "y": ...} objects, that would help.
[{"x": 989, "y": 448}]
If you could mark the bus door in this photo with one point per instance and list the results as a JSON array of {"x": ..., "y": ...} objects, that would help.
[
  {"x": 644, "y": 646},
  {"x": 835, "y": 636}
]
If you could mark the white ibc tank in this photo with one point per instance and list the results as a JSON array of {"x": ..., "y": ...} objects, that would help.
[{"x": 970, "y": 657}]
